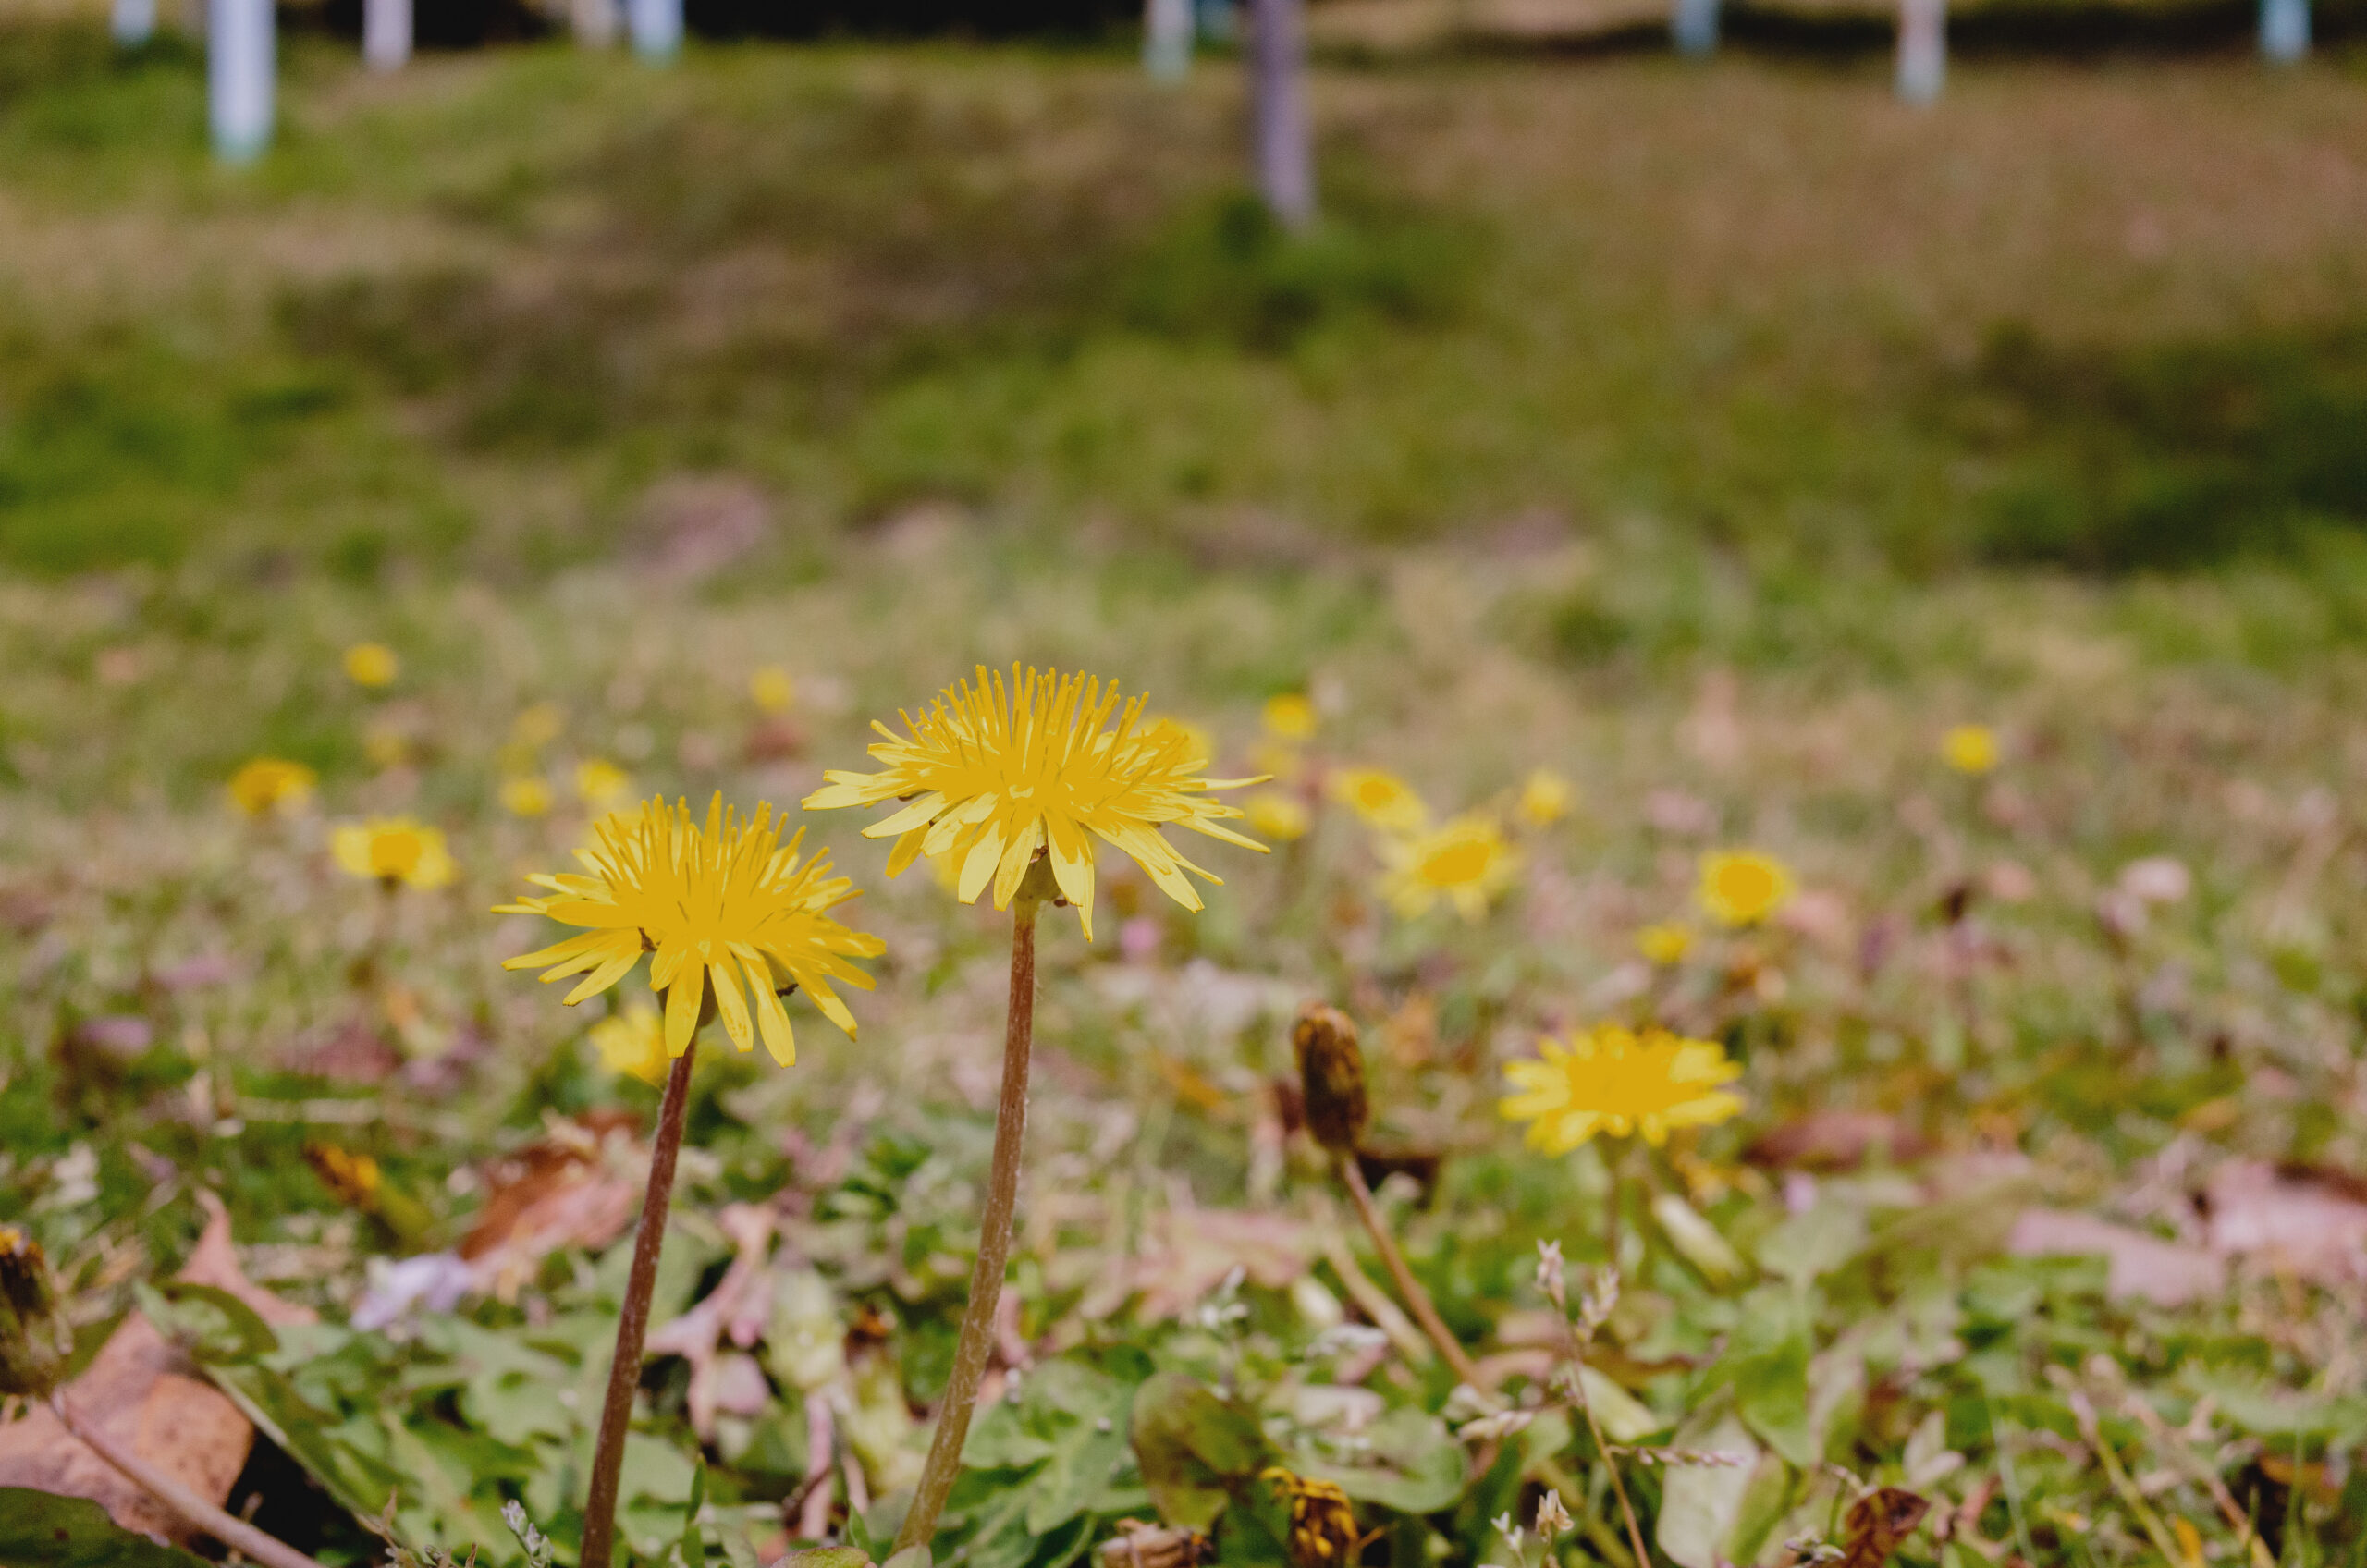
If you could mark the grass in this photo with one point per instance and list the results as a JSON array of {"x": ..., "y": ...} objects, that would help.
[{"x": 1714, "y": 436}]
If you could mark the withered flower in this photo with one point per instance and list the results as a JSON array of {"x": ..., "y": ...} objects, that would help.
[{"x": 1331, "y": 1072}]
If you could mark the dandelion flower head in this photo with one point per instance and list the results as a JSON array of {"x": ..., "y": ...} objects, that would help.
[
  {"x": 1467, "y": 861},
  {"x": 994, "y": 772},
  {"x": 1611, "y": 1080},
  {"x": 393, "y": 851},
  {"x": 1545, "y": 798},
  {"x": 1290, "y": 717},
  {"x": 600, "y": 783},
  {"x": 1277, "y": 814},
  {"x": 717, "y": 904},
  {"x": 772, "y": 688},
  {"x": 1665, "y": 943},
  {"x": 1323, "y": 1521},
  {"x": 372, "y": 664},
  {"x": 1743, "y": 887},
  {"x": 1969, "y": 748},
  {"x": 527, "y": 794},
  {"x": 269, "y": 784},
  {"x": 1381, "y": 797},
  {"x": 631, "y": 1044}
]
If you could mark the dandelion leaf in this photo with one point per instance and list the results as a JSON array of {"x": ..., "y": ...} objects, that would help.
[
  {"x": 1409, "y": 1462},
  {"x": 73, "y": 1532},
  {"x": 1196, "y": 1453},
  {"x": 1702, "y": 1504}
]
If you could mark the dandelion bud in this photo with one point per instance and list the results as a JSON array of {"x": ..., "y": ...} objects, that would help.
[
  {"x": 1333, "y": 1071},
  {"x": 1323, "y": 1521},
  {"x": 34, "y": 1338}
]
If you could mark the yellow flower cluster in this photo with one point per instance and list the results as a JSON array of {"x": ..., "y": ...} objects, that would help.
[{"x": 272, "y": 784}]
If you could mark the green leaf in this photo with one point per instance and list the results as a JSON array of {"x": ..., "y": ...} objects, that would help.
[
  {"x": 693, "y": 1544},
  {"x": 911, "y": 1557},
  {"x": 1814, "y": 1243},
  {"x": 1698, "y": 1240},
  {"x": 826, "y": 1557},
  {"x": 1411, "y": 1464},
  {"x": 1196, "y": 1452},
  {"x": 1622, "y": 1418},
  {"x": 73, "y": 1532},
  {"x": 213, "y": 1324},
  {"x": 1702, "y": 1504},
  {"x": 1767, "y": 1359}
]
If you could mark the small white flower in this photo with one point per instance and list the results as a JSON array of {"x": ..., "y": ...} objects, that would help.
[
  {"x": 1548, "y": 1270},
  {"x": 1552, "y": 1519},
  {"x": 1502, "y": 1423}
]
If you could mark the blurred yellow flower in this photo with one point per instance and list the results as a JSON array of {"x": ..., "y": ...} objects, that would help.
[
  {"x": 526, "y": 795},
  {"x": 1608, "y": 1080},
  {"x": 1467, "y": 861},
  {"x": 997, "y": 773},
  {"x": 1290, "y": 717},
  {"x": 632, "y": 1043},
  {"x": 1969, "y": 748},
  {"x": 600, "y": 784},
  {"x": 538, "y": 724},
  {"x": 722, "y": 904},
  {"x": 372, "y": 664},
  {"x": 1664, "y": 944},
  {"x": 772, "y": 690},
  {"x": 269, "y": 784},
  {"x": 1743, "y": 887},
  {"x": 387, "y": 746},
  {"x": 1545, "y": 798},
  {"x": 1383, "y": 799},
  {"x": 1277, "y": 814},
  {"x": 394, "y": 850}
]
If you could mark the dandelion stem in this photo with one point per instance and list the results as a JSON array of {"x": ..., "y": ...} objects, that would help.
[
  {"x": 1610, "y": 1460},
  {"x": 977, "y": 1337},
  {"x": 168, "y": 1488},
  {"x": 1417, "y": 1300},
  {"x": 632, "y": 1325},
  {"x": 1614, "y": 1161}
]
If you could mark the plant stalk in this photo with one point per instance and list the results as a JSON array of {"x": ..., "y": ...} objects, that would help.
[
  {"x": 1417, "y": 1300},
  {"x": 168, "y": 1488},
  {"x": 977, "y": 1338},
  {"x": 632, "y": 1324}
]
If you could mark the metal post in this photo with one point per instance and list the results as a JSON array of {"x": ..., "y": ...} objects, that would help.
[
  {"x": 2284, "y": 31},
  {"x": 1166, "y": 39},
  {"x": 593, "y": 22},
  {"x": 1922, "y": 49},
  {"x": 657, "y": 29},
  {"x": 1278, "y": 67},
  {"x": 239, "y": 69},
  {"x": 385, "y": 34},
  {"x": 135, "y": 22},
  {"x": 1693, "y": 27}
]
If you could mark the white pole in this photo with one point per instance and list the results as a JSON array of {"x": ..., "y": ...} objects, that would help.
[
  {"x": 1922, "y": 49},
  {"x": 1166, "y": 39},
  {"x": 385, "y": 34},
  {"x": 238, "y": 71},
  {"x": 593, "y": 22},
  {"x": 1278, "y": 95},
  {"x": 1693, "y": 26},
  {"x": 2284, "y": 30},
  {"x": 657, "y": 28},
  {"x": 135, "y": 22}
]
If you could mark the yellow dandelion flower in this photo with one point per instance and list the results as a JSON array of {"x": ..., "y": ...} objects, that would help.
[
  {"x": 1609, "y": 1080},
  {"x": 538, "y": 724},
  {"x": 600, "y": 784},
  {"x": 1664, "y": 944},
  {"x": 1467, "y": 861},
  {"x": 1277, "y": 814},
  {"x": 1197, "y": 743},
  {"x": 1323, "y": 1521},
  {"x": 632, "y": 1043},
  {"x": 772, "y": 690},
  {"x": 269, "y": 784},
  {"x": 1743, "y": 887},
  {"x": 995, "y": 773},
  {"x": 719, "y": 903},
  {"x": 1969, "y": 748},
  {"x": 1290, "y": 717},
  {"x": 1545, "y": 798},
  {"x": 372, "y": 664},
  {"x": 526, "y": 795},
  {"x": 393, "y": 851},
  {"x": 1381, "y": 797}
]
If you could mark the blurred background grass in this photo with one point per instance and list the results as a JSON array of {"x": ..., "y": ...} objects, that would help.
[{"x": 1750, "y": 317}]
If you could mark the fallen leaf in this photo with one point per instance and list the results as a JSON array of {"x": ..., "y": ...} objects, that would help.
[
  {"x": 2165, "y": 1273},
  {"x": 1876, "y": 1526},
  {"x": 2291, "y": 1219},
  {"x": 139, "y": 1391},
  {"x": 561, "y": 1191},
  {"x": 1187, "y": 1253},
  {"x": 736, "y": 1309},
  {"x": 1837, "y": 1140}
]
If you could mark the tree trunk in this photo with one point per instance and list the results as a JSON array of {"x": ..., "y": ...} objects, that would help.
[
  {"x": 239, "y": 67},
  {"x": 1278, "y": 86},
  {"x": 385, "y": 34}
]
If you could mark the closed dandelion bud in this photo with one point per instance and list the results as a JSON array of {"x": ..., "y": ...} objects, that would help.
[
  {"x": 35, "y": 1341},
  {"x": 1331, "y": 1072},
  {"x": 1323, "y": 1523}
]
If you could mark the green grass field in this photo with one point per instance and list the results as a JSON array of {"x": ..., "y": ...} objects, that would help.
[{"x": 1714, "y": 437}]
